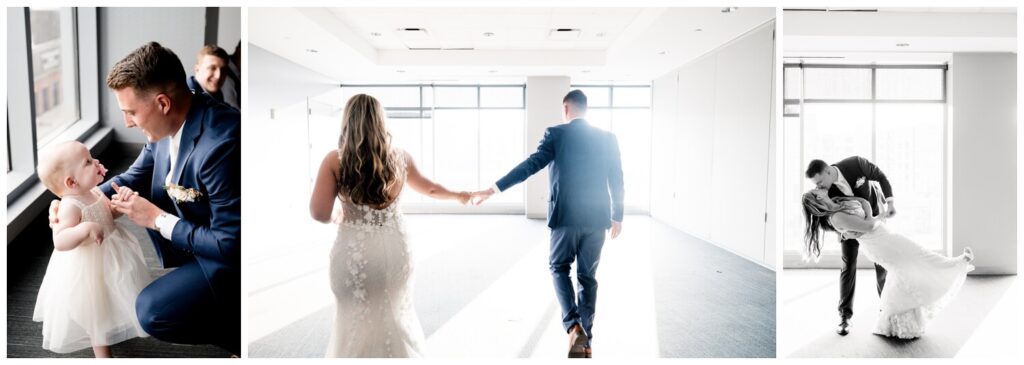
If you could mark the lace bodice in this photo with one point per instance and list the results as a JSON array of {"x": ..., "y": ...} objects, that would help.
[
  {"x": 97, "y": 211},
  {"x": 365, "y": 216}
]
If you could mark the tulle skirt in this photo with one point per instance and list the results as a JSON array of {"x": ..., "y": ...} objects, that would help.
[{"x": 88, "y": 294}]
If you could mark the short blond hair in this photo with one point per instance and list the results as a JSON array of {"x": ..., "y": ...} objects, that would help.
[
  {"x": 53, "y": 169},
  {"x": 212, "y": 50}
]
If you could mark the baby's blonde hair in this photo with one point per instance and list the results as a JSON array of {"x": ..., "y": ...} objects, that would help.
[{"x": 53, "y": 169}]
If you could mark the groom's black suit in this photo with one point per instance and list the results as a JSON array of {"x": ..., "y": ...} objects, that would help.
[{"x": 857, "y": 171}]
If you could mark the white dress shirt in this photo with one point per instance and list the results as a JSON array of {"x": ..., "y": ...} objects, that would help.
[
  {"x": 841, "y": 183},
  {"x": 165, "y": 222}
]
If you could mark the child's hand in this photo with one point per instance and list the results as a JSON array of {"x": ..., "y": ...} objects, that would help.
[
  {"x": 95, "y": 231},
  {"x": 122, "y": 193}
]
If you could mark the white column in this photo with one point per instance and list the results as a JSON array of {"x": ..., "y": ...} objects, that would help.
[
  {"x": 983, "y": 113},
  {"x": 543, "y": 109}
]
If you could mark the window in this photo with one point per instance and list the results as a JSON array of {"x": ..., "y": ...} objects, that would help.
[
  {"x": 45, "y": 49},
  {"x": 487, "y": 121},
  {"x": 893, "y": 115},
  {"x": 625, "y": 110},
  {"x": 53, "y": 61}
]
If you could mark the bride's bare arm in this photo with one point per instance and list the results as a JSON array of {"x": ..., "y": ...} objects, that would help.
[
  {"x": 855, "y": 223},
  {"x": 325, "y": 191},
  {"x": 425, "y": 186},
  {"x": 866, "y": 205}
]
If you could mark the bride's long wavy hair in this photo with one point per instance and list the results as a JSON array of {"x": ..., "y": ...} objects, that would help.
[
  {"x": 368, "y": 169},
  {"x": 816, "y": 215}
]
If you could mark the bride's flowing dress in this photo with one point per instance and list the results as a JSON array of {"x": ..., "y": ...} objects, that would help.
[
  {"x": 371, "y": 271},
  {"x": 919, "y": 281}
]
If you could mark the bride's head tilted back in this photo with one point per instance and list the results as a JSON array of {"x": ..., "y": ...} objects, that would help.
[
  {"x": 818, "y": 207},
  {"x": 367, "y": 167}
]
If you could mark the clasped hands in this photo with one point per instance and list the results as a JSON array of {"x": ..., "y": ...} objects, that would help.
[
  {"x": 124, "y": 201},
  {"x": 478, "y": 197}
]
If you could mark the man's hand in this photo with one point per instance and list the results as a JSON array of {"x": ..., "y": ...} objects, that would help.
[
  {"x": 137, "y": 209},
  {"x": 892, "y": 209},
  {"x": 54, "y": 206},
  {"x": 616, "y": 229},
  {"x": 479, "y": 197}
]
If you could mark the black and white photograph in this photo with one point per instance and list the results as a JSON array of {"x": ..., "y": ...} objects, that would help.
[{"x": 899, "y": 182}]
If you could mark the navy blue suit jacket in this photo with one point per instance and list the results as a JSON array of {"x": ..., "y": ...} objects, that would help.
[
  {"x": 209, "y": 160},
  {"x": 196, "y": 88},
  {"x": 585, "y": 175}
]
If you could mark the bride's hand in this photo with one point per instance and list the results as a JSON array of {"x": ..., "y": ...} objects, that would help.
[{"x": 464, "y": 197}]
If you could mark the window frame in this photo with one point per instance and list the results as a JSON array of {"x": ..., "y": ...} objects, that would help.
[
  {"x": 428, "y": 112},
  {"x": 630, "y": 208},
  {"x": 23, "y": 149},
  {"x": 792, "y": 259}
]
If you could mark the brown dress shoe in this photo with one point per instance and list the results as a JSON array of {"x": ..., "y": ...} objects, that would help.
[
  {"x": 577, "y": 342},
  {"x": 590, "y": 353}
]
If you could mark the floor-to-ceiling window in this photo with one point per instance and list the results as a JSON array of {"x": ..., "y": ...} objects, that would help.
[
  {"x": 465, "y": 137},
  {"x": 625, "y": 110},
  {"x": 43, "y": 55},
  {"x": 892, "y": 115}
]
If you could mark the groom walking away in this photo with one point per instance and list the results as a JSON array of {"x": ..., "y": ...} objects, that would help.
[
  {"x": 586, "y": 199},
  {"x": 188, "y": 197},
  {"x": 850, "y": 177}
]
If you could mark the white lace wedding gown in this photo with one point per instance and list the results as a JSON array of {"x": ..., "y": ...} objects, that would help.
[
  {"x": 371, "y": 273},
  {"x": 919, "y": 282}
]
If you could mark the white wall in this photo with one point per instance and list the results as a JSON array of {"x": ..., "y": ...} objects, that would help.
[
  {"x": 717, "y": 110},
  {"x": 122, "y": 30},
  {"x": 983, "y": 210},
  {"x": 543, "y": 109}
]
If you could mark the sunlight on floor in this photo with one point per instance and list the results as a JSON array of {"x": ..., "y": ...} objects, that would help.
[{"x": 981, "y": 310}]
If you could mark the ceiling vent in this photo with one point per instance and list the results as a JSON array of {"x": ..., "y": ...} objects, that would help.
[
  {"x": 564, "y": 34},
  {"x": 413, "y": 34}
]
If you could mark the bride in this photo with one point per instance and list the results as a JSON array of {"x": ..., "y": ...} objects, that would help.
[
  {"x": 371, "y": 268},
  {"x": 919, "y": 281}
]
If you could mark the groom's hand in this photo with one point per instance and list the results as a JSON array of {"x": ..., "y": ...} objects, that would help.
[
  {"x": 892, "y": 209},
  {"x": 138, "y": 210},
  {"x": 616, "y": 229},
  {"x": 480, "y": 196}
]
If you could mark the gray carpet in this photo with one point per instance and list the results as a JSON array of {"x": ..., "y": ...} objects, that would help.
[
  {"x": 27, "y": 257},
  {"x": 708, "y": 302}
]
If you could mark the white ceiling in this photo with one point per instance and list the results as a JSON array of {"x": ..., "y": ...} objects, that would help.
[
  {"x": 931, "y": 33},
  {"x": 613, "y": 44}
]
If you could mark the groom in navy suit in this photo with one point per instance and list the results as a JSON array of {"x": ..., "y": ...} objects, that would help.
[
  {"x": 586, "y": 200},
  {"x": 185, "y": 188}
]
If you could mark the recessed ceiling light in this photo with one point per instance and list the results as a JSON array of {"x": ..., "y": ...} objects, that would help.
[
  {"x": 400, "y": 71},
  {"x": 601, "y": 34},
  {"x": 375, "y": 34},
  {"x": 730, "y": 9},
  {"x": 492, "y": 71},
  {"x": 698, "y": 30},
  {"x": 662, "y": 53},
  {"x": 902, "y": 44},
  {"x": 488, "y": 34},
  {"x": 310, "y": 50},
  {"x": 586, "y": 71}
]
